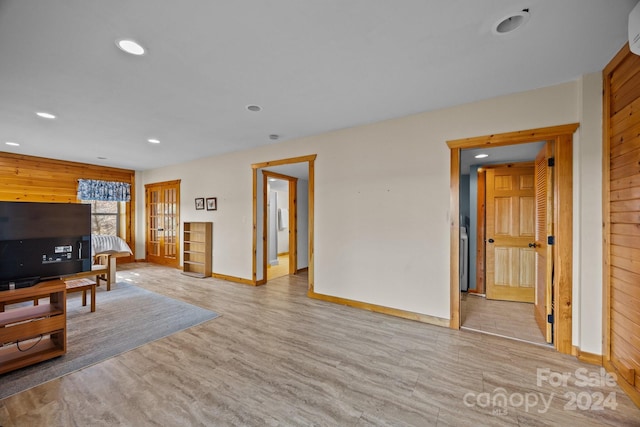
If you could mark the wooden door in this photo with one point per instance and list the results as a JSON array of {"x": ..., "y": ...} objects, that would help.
[
  {"x": 162, "y": 202},
  {"x": 510, "y": 218},
  {"x": 544, "y": 252},
  {"x": 622, "y": 220}
]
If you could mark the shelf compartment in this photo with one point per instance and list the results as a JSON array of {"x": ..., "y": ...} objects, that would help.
[{"x": 50, "y": 346}]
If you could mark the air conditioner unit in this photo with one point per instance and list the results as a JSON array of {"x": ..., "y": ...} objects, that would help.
[{"x": 634, "y": 30}]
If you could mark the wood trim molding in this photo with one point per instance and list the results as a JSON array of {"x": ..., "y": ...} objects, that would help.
[
  {"x": 311, "y": 226},
  {"x": 454, "y": 219},
  {"x": 563, "y": 137},
  {"x": 624, "y": 385},
  {"x": 432, "y": 320},
  {"x": 512, "y": 138},
  {"x": 583, "y": 356},
  {"x": 480, "y": 244},
  {"x": 280, "y": 162},
  {"x": 155, "y": 184},
  {"x": 254, "y": 257},
  {"x": 279, "y": 176},
  {"x": 232, "y": 279},
  {"x": 563, "y": 251}
]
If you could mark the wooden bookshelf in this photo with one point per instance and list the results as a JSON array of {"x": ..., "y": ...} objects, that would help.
[
  {"x": 196, "y": 255},
  {"x": 35, "y": 333}
]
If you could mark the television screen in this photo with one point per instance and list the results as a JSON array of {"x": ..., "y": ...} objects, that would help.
[{"x": 43, "y": 240}]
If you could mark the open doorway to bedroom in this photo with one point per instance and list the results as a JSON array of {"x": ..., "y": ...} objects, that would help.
[
  {"x": 497, "y": 273},
  {"x": 557, "y": 250},
  {"x": 293, "y": 224}
]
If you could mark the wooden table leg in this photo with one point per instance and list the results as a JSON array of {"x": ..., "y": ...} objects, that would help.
[{"x": 93, "y": 298}]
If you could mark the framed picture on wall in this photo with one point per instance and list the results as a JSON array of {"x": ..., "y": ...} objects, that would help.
[
  {"x": 212, "y": 203},
  {"x": 200, "y": 203}
]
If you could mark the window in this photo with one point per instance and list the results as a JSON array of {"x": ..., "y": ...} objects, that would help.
[{"x": 105, "y": 217}]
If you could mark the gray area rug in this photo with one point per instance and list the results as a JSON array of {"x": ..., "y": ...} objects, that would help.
[{"x": 125, "y": 318}]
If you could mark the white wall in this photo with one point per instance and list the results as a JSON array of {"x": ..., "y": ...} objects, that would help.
[
  {"x": 587, "y": 260},
  {"x": 382, "y": 197},
  {"x": 283, "y": 203}
]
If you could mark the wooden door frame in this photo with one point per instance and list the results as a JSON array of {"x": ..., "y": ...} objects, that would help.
[
  {"x": 293, "y": 219},
  {"x": 480, "y": 232},
  {"x": 310, "y": 159},
  {"x": 146, "y": 219},
  {"x": 562, "y": 135}
]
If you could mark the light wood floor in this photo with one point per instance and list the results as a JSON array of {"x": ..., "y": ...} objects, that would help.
[
  {"x": 504, "y": 318},
  {"x": 276, "y": 357},
  {"x": 282, "y": 269}
]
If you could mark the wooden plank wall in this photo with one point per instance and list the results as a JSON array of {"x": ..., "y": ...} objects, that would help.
[
  {"x": 622, "y": 220},
  {"x": 37, "y": 179}
]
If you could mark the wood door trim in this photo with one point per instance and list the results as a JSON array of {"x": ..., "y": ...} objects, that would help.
[
  {"x": 293, "y": 225},
  {"x": 481, "y": 232},
  {"x": 563, "y": 136},
  {"x": 310, "y": 159},
  {"x": 513, "y": 138}
]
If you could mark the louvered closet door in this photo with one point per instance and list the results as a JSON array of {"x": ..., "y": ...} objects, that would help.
[
  {"x": 622, "y": 114},
  {"x": 544, "y": 252}
]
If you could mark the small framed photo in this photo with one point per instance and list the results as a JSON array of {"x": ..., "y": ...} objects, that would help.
[
  {"x": 200, "y": 203},
  {"x": 212, "y": 203}
]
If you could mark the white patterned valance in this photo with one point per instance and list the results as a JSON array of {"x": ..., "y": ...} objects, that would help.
[{"x": 107, "y": 191}]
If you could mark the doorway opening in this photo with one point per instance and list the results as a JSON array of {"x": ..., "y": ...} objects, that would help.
[
  {"x": 497, "y": 273},
  {"x": 295, "y": 221},
  {"x": 553, "y": 259},
  {"x": 280, "y": 200}
]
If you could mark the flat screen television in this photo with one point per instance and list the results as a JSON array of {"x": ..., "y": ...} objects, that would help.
[{"x": 40, "y": 241}]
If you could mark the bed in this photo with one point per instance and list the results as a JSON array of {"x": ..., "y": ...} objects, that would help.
[{"x": 106, "y": 249}]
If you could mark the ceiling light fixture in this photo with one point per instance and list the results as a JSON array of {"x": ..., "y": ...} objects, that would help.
[
  {"x": 13, "y": 144},
  {"x": 154, "y": 141},
  {"x": 512, "y": 22},
  {"x": 273, "y": 136},
  {"x": 101, "y": 158},
  {"x": 130, "y": 46},
  {"x": 481, "y": 156},
  {"x": 254, "y": 108},
  {"x": 45, "y": 115}
]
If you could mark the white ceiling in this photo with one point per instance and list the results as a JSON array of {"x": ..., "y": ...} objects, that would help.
[
  {"x": 313, "y": 66},
  {"x": 498, "y": 155}
]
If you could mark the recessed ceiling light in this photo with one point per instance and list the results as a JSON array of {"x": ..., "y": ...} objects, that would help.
[
  {"x": 512, "y": 22},
  {"x": 13, "y": 144},
  {"x": 274, "y": 136},
  {"x": 254, "y": 108},
  {"x": 481, "y": 156},
  {"x": 154, "y": 141},
  {"x": 130, "y": 46},
  {"x": 101, "y": 158},
  {"x": 45, "y": 115}
]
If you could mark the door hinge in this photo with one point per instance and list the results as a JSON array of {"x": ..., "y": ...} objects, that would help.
[
  {"x": 551, "y": 240},
  {"x": 551, "y": 161},
  {"x": 550, "y": 318}
]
